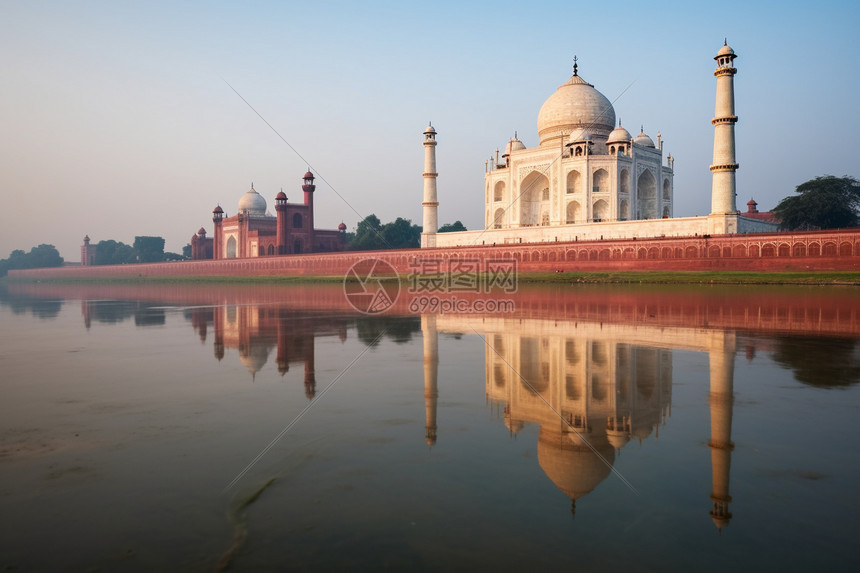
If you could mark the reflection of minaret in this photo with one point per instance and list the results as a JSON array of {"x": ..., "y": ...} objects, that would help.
[
  {"x": 283, "y": 357},
  {"x": 722, "y": 365},
  {"x": 85, "y": 310},
  {"x": 310, "y": 372},
  {"x": 431, "y": 371},
  {"x": 218, "y": 327}
]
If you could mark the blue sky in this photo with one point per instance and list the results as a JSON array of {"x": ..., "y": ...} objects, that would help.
[{"x": 116, "y": 118}]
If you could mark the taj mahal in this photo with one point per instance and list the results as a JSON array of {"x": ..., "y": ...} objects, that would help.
[{"x": 590, "y": 179}]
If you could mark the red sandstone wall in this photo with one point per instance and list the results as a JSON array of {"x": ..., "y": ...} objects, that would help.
[{"x": 809, "y": 251}]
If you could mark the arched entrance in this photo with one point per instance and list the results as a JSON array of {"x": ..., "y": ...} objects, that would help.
[
  {"x": 534, "y": 188},
  {"x": 646, "y": 192}
]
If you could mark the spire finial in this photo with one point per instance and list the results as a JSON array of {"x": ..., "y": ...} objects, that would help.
[
  {"x": 252, "y": 185},
  {"x": 574, "y": 65},
  {"x": 725, "y": 41},
  {"x": 642, "y": 128},
  {"x": 619, "y": 121},
  {"x": 515, "y": 134}
]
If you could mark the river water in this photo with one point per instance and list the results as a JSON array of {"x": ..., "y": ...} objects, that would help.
[{"x": 205, "y": 427}]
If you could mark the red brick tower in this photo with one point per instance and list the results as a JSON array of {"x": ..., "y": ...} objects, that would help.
[
  {"x": 217, "y": 247},
  {"x": 309, "y": 189},
  {"x": 283, "y": 231}
]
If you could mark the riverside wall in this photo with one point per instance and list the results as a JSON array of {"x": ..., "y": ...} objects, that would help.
[{"x": 761, "y": 252}]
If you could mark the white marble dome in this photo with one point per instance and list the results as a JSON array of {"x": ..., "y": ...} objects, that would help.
[
  {"x": 252, "y": 203},
  {"x": 513, "y": 145},
  {"x": 619, "y": 135},
  {"x": 580, "y": 134},
  {"x": 575, "y": 103},
  {"x": 643, "y": 140}
]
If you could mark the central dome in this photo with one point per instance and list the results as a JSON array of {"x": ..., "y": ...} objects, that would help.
[{"x": 575, "y": 105}]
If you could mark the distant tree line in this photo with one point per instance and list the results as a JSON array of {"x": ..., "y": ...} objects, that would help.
[
  {"x": 38, "y": 257},
  {"x": 371, "y": 234},
  {"x": 144, "y": 250}
]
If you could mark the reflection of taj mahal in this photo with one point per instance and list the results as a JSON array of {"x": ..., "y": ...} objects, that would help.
[{"x": 591, "y": 388}]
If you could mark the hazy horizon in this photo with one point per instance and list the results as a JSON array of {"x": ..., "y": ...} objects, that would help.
[{"x": 118, "y": 119}]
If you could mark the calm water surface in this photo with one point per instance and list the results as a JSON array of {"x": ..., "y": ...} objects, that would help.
[{"x": 245, "y": 428}]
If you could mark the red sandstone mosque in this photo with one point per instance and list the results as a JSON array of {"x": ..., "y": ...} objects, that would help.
[{"x": 253, "y": 232}]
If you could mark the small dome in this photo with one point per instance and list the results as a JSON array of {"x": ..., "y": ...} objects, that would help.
[
  {"x": 430, "y": 129},
  {"x": 619, "y": 135},
  {"x": 644, "y": 140},
  {"x": 618, "y": 439},
  {"x": 513, "y": 145},
  {"x": 202, "y": 232},
  {"x": 726, "y": 50},
  {"x": 252, "y": 203},
  {"x": 281, "y": 195},
  {"x": 218, "y": 209},
  {"x": 579, "y": 134},
  {"x": 342, "y": 226},
  {"x": 308, "y": 175}
]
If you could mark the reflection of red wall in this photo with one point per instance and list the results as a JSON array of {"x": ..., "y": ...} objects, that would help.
[
  {"x": 815, "y": 250},
  {"x": 754, "y": 309}
]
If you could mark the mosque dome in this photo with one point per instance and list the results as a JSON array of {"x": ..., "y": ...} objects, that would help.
[
  {"x": 218, "y": 209},
  {"x": 619, "y": 135},
  {"x": 201, "y": 232},
  {"x": 254, "y": 358},
  {"x": 575, "y": 103},
  {"x": 281, "y": 195},
  {"x": 342, "y": 226},
  {"x": 252, "y": 203},
  {"x": 643, "y": 140}
]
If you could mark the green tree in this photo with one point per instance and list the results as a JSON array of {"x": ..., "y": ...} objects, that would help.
[
  {"x": 186, "y": 251},
  {"x": 402, "y": 234},
  {"x": 825, "y": 202},
  {"x": 149, "y": 249},
  {"x": 112, "y": 252},
  {"x": 38, "y": 257},
  {"x": 368, "y": 235},
  {"x": 452, "y": 227}
]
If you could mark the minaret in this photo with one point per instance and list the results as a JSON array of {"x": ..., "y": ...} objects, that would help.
[
  {"x": 431, "y": 373},
  {"x": 217, "y": 235},
  {"x": 309, "y": 189},
  {"x": 282, "y": 230},
  {"x": 723, "y": 188},
  {"x": 721, "y": 356},
  {"x": 88, "y": 252},
  {"x": 430, "y": 204}
]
